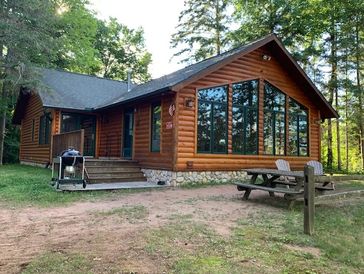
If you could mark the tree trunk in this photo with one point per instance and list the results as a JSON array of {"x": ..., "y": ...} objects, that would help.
[
  {"x": 2, "y": 112},
  {"x": 360, "y": 95},
  {"x": 338, "y": 144},
  {"x": 2, "y": 122},
  {"x": 217, "y": 27},
  {"x": 346, "y": 113},
  {"x": 332, "y": 88}
]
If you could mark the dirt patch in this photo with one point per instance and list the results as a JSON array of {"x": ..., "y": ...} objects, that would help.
[{"x": 108, "y": 239}]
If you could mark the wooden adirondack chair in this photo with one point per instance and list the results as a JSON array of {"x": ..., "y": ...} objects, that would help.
[
  {"x": 284, "y": 165},
  {"x": 317, "y": 166},
  {"x": 319, "y": 171}
]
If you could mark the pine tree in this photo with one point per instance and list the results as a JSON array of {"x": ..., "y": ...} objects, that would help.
[
  {"x": 202, "y": 30},
  {"x": 26, "y": 37}
]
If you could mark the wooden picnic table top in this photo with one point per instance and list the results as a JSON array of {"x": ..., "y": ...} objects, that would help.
[{"x": 274, "y": 172}]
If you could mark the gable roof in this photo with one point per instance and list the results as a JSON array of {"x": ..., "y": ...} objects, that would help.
[
  {"x": 180, "y": 78},
  {"x": 83, "y": 92},
  {"x": 170, "y": 81}
]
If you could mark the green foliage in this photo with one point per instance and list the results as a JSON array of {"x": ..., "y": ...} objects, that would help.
[
  {"x": 26, "y": 37},
  {"x": 105, "y": 48},
  {"x": 76, "y": 31},
  {"x": 202, "y": 30},
  {"x": 121, "y": 49},
  {"x": 11, "y": 143}
]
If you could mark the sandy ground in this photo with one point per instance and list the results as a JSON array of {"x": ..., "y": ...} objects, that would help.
[{"x": 26, "y": 233}]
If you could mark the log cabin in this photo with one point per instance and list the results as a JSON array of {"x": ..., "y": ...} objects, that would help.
[{"x": 244, "y": 108}]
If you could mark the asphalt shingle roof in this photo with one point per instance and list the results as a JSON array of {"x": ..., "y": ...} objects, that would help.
[{"x": 62, "y": 89}]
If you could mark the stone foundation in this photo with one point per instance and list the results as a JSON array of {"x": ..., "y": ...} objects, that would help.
[{"x": 193, "y": 177}]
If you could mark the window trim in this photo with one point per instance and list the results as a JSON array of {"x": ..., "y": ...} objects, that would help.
[
  {"x": 297, "y": 117},
  {"x": 152, "y": 106},
  {"x": 45, "y": 126},
  {"x": 245, "y": 108},
  {"x": 33, "y": 130},
  {"x": 226, "y": 107},
  {"x": 273, "y": 123}
]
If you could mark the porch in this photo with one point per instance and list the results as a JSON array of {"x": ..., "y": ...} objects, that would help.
[{"x": 99, "y": 170}]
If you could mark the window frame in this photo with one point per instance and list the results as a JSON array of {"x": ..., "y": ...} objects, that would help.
[
  {"x": 152, "y": 126},
  {"x": 33, "y": 130},
  {"x": 297, "y": 126},
  {"x": 273, "y": 121},
  {"x": 44, "y": 131},
  {"x": 245, "y": 109},
  {"x": 77, "y": 123},
  {"x": 211, "y": 118}
]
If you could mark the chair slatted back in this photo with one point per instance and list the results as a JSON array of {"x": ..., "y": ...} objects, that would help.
[
  {"x": 317, "y": 166},
  {"x": 283, "y": 165}
]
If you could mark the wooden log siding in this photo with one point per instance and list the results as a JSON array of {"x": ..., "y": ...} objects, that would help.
[
  {"x": 248, "y": 67},
  {"x": 142, "y": 136},
  {"x": 30, "y": 150},
  {"x": 110, "y": 134}
]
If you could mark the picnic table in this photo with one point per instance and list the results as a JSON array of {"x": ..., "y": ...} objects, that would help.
[
  {"x": 271, "y": 178},
  {"x": 272, "y": 182}
]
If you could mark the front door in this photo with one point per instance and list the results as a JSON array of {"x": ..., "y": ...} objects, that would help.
[
  {"x": 128, "y": 132},
  {"x": 88, "y": 123}
]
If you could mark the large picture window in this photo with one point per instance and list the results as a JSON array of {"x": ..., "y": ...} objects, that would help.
[
  {"x": 156, "y": 127},
  {"x": 44, "y": 130},
  {"x": 212, "y": 120},
  {"x": 274, "y": 120},
  {"x": 298, "y": 129},
  {"x": 245, "y": 117}
]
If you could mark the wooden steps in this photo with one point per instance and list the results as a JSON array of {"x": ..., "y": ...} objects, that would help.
[{"x": 110, "y": 171}]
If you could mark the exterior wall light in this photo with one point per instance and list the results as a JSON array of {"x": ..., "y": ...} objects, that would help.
[
  {"x": 189, "y": 102},
  {"x": 266, "y": 57}
]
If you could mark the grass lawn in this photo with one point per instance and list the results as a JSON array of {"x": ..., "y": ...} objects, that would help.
[{"x": 26, "y": 186}]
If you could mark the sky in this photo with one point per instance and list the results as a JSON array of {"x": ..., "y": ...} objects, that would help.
[{"x": 158, "y": 18}]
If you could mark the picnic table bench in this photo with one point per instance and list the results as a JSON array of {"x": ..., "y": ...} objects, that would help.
[{"x": 273, "y": 183}]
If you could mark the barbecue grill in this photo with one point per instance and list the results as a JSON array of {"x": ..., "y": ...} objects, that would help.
[{"x": 69, "y": 168}]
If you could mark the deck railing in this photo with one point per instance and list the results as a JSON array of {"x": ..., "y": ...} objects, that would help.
[{"x": 63, "y": 141}]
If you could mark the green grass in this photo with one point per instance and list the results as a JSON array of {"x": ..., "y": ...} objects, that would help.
[
  {"x": 263, "y": 243},
  {"x": 59, "y": 263},
  {"x": 130, "y": 213},
  {"x": 30, "y": 186}
]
